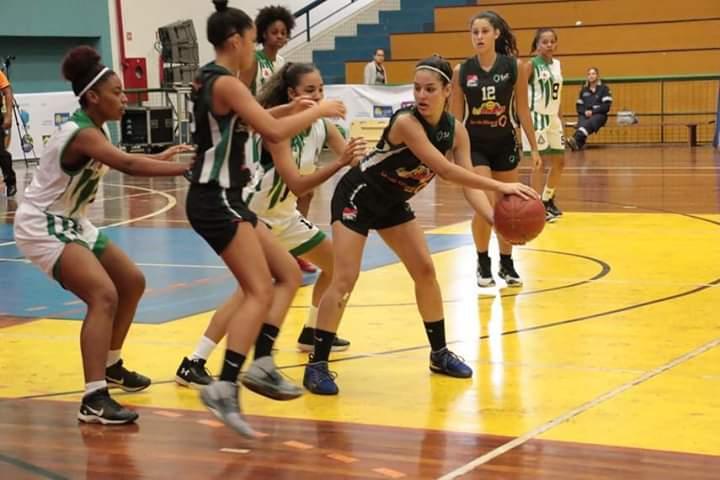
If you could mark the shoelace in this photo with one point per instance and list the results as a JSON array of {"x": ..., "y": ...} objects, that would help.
[
  {"x": 453, "y": 358},
  {"x": 325, "y": 373}
]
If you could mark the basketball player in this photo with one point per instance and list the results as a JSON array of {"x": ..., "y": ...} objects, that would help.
[
  {"x": 375, "y": 194},
  {"x": 53, "y": 231},
  {"x": 544, "y": 91},
  {"x": 224, "y": 108},
  {"x": 487, "y": 89},
  {"x": 274, "y": 25},
  {"x": 283, "y": 171}
]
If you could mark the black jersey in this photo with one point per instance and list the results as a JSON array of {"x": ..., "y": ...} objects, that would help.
[
  {"x": 220, "y": 139},
  {"x": 489, "y": 98},
  {"x": 394, "y": 169}
]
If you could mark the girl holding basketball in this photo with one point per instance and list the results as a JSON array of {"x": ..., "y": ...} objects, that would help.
[
  {"x": 413, "y": 149},
  {"x": 488, "y": 91},
  {"x": 224, "y": 108},
  {"x": 53, "y": 231},
  {"x": 544, "y": 92}
]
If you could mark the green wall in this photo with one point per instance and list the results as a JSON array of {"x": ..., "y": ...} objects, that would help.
[{"x": 40, "y": 32}]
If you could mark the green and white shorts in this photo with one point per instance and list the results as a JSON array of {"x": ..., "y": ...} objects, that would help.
[
  {"x": 41, "y": 236},
  {"x": 296, "y": 233}
]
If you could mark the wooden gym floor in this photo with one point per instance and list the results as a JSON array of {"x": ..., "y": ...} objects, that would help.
[{"x": 606, "y": 364}]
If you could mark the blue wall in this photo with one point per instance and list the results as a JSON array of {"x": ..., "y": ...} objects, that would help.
[{"x": 40, "y": 32}]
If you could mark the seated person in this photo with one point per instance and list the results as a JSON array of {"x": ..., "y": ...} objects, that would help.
[{"x": 593, "y": 106}]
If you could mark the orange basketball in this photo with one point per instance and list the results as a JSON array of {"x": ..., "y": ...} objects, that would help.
[{"x": 518, "y": 220}]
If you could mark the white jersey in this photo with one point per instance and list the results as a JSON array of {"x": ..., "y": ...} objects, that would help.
[
  {"x": 57, "y": 191},
  {"x": 267, "y": 194},
  {"x": 265, "y": 69},
  {"x": 545, "y": 88}
]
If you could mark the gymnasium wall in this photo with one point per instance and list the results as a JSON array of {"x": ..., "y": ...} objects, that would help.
[
  {"x": 39, "y": 33},
  {"x": 142, "y": 18}
]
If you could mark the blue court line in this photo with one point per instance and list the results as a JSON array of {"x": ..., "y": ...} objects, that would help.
[{"x": 175, "y": 291}]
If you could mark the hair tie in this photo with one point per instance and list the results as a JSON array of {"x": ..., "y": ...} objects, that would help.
[
  {"x": 434, "y": 69},
  {"x": 93, "y": 82}
]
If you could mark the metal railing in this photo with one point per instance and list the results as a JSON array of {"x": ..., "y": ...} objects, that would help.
[
  {"x": 667, "y": 107},
  {"x": 306, "y": 12}
]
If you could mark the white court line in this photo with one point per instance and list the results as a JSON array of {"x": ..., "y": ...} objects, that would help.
[
  {"x": 166, "y": 265},
  {"x": 470, "y": 466},
  {"x": 171, "y": 203}
]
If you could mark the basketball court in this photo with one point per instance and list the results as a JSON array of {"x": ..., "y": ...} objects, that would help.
[{"x": 605, "y": 364}]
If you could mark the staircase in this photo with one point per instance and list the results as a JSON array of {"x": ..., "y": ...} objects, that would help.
[{"x": 358, "y": 36}]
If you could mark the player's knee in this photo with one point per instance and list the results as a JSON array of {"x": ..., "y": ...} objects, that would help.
[
  {"x": 344, "y": 285},
  {"x": 136, "y": 283},
  {"x": 104, "y": 300},
  {"x": 424, "y": 271}
]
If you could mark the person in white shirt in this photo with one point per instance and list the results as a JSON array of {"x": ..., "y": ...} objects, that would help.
[{"x": 375, "y": 72}]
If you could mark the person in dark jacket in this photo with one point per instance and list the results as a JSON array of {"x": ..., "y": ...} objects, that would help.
[{"x": 593, "y": 106}]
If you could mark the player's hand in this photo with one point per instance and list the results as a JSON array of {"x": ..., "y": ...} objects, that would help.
[
  {"x": 536, "y": 160},
  {"x": 519, "y": 189},
  {"x": 332, "y": 108},
  {"x": 170, "y": 153},
  {"x": 301, "y": 103},
  {"x": 7, "y": 123},
  {"x": 354, "y": 152}
]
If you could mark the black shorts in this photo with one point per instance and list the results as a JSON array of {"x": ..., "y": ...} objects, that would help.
[
  {"x": 501, "y": 155},
  {"x": 214, "y": 213},
  {"x": 361, "y": 206}
]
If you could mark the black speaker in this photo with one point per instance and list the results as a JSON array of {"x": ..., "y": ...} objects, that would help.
[
  {"x": 179, "y": 42},
  {"x": 147, "y": 126},
  {"x": 179, "y": 74}
]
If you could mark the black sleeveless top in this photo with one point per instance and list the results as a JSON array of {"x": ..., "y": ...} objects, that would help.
[
  {"x": 220, "y": 139},
  {"x": 394, "y": 169},
  {"x": 490, "y": 98}
]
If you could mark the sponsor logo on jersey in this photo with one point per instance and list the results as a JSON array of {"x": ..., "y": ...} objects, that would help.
[
  {"x": 489, "y": 108},
  {"x": 472, "y": 81},
  {"x": 442, "y": 135},
  {"x": 497, "y": 78},
  {"x": 544, "y": 75}
]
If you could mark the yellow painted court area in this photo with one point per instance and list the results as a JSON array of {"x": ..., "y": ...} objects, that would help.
[{"x": 610, "y": 301}]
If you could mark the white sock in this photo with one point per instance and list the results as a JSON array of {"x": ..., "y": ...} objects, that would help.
[
  {"x": 312, "y": 317},
  {"x": 548, "y": 193},
  {"x": 94, "y": 386},
  {"x": 203, "y": 350},
  {"x": 112, "y": 358}
]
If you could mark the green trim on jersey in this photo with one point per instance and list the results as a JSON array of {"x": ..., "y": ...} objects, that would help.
[
  {"x": 309, "y": 245},
  {"x": 83, "y": 121}
]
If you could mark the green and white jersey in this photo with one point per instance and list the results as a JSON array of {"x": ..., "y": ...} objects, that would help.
[
  {"x": 265, "y": 70},
  {"x": 267, "y": 194},
  {"x": 544, "y": 91},
  {"x": 60, "y": 192}
]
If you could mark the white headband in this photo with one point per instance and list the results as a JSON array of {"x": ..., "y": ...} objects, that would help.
[
  {"x": 437, "y": 70},
  {"x": 92, "y": 82}
]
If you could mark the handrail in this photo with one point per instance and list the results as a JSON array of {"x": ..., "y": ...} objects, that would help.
[{"x": 306, "y": 11}]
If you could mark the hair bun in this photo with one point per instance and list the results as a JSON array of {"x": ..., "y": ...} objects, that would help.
[
  {"x": 80, "y": 62},
  {"x": 220, "y": 5}
]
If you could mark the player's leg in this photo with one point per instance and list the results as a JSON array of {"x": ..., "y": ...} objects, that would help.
[{"x": 409, "y": 244}]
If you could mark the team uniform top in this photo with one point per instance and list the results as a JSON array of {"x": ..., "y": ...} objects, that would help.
[
  {"x": 394, "y": 169},
  {"x": 267, "y": 194},
  {"x": 265, "y": 70},
  {"x": 489, "y": 98},
  {"x": 220, "y": 139},
  {"x": 544, "y": 91},
  {"x": 57, "y": 191}
]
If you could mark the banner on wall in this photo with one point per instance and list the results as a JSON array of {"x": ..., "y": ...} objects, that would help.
[
  {"x": 369, "y": 101},
  {"x": 43, "y": 112}
]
